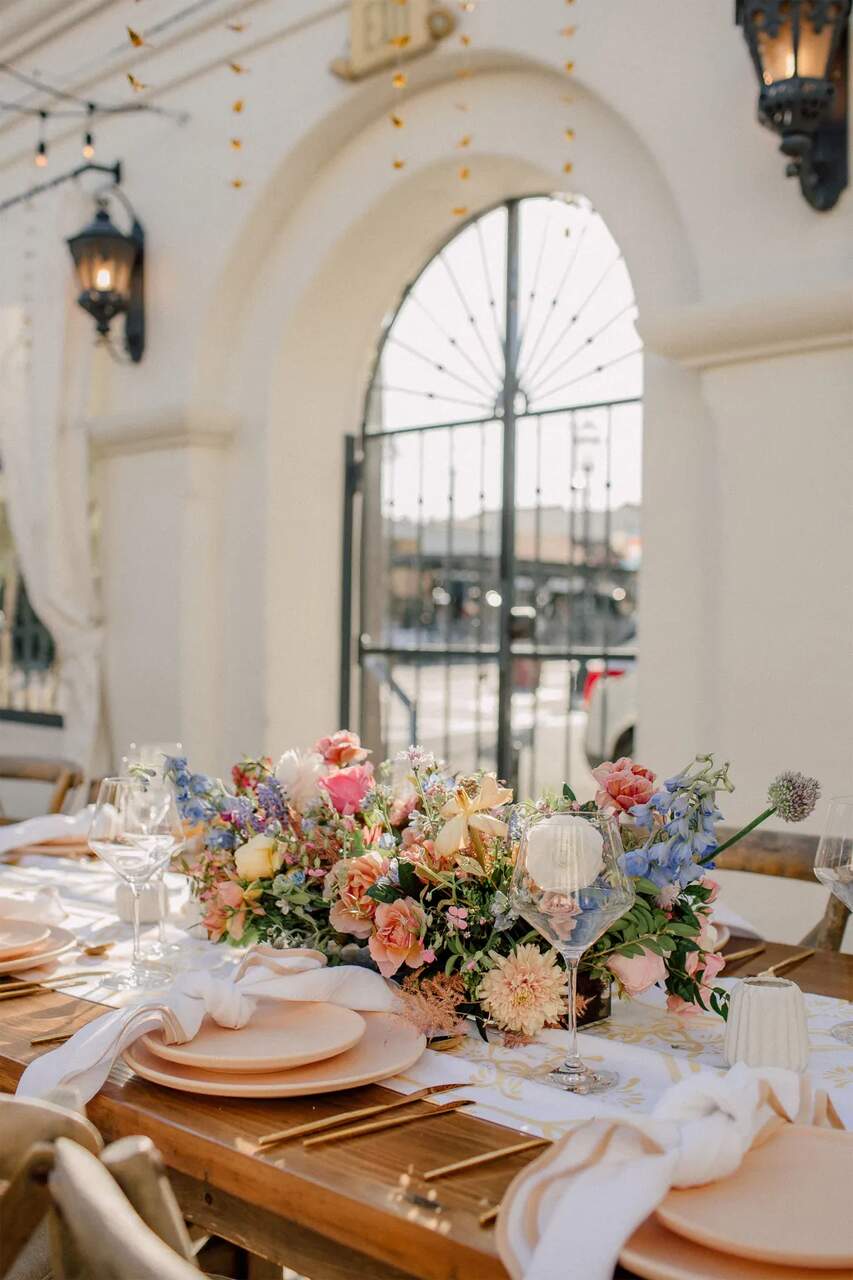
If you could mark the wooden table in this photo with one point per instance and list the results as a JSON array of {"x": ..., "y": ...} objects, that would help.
[{"x": 334, "y": 1212}]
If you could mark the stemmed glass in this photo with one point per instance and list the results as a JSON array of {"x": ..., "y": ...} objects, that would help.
[
  {"x": 136, "y": 830},
  {"x": 834, "y": 868},
  {"x": 153, "y": 755},
  {"x": 570, "y": 884}
]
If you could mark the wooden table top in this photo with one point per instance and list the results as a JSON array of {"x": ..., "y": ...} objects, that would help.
[{"x": 353, "y": 1209}]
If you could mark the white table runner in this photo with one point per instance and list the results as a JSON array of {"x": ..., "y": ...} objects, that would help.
[{"x": 650, "y": 1048}]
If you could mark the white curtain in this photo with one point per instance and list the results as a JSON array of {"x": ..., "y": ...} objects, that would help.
[{"x": 44, "y": 391}]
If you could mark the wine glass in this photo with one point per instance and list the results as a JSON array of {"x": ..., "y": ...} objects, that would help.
[
  {"x": 834, "y": 868},
  {"x": 570, "y": 884},
  {"x": 135, "y": 830},
  {"x": 153, "y": 755}
]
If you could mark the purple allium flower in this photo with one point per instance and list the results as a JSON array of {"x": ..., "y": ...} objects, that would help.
[{"x": 793, "y": 795}]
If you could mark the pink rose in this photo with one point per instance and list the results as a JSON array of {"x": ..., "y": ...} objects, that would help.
[
  {"x": 638, "y": 973},
  {"x": 399, "y": 937},
  {"x": 622, "y": 784},
  {"x": 348, "y": 787},
  {"x": 342, "y": 748},
  {"x": 353, "y": 911},
  {"x": 713, "y": 885},
  {"x": 675, "y": 1004},
  {"x": 402, "y": 807},
  {"x": 713, "y": 965}
]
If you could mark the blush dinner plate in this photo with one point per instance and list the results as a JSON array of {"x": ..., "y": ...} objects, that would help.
[
  {"x": 787, "y": 1204},
  {"x": 57, "y": 942},
  {"x": 281, "y": 1035},
  {"x": 653, "y": 1253},
  {"x": 389, "y": 1045},
  {"x": 17, "y": 937}
]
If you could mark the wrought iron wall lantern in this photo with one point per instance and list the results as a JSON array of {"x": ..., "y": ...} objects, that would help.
[
  {"x": 110, "y": 267},
  {"x": 800, "y": 52}
]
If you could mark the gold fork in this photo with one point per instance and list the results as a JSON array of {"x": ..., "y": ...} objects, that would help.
[{"x": 347, "y": 1117}]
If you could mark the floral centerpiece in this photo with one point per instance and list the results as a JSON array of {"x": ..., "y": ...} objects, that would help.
[{"x": 408, "y": 868}]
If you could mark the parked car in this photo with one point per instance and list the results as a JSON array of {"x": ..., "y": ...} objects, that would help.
[{"x": 610, "y": 698}]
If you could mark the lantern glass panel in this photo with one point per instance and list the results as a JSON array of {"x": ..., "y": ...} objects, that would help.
[
  {"x": 106, "y": 267},
  {"x": 778, "y": 57},
  {"x": 815, "y": 46}
]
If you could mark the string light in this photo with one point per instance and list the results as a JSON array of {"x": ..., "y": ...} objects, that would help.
[
  {"x": 41, "y": 149},
  {"x": 88, "y": 146}
]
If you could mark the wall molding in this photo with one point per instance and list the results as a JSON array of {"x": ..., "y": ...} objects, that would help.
[
  {"x": 123, "y": 435},
  {"x": 708, "y": 335}
]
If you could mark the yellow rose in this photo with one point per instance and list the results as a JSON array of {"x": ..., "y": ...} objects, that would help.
[{"x": 256, "y": 859}]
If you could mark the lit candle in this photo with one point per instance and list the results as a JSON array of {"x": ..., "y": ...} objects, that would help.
[{"x": 564, "y": 853}]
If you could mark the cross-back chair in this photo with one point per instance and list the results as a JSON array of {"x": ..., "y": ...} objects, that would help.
[
  {"x": 791, "y": 856},
  {"x": 63, "y": 775}
]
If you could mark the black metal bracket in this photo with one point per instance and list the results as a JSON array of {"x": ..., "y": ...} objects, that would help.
[{"x": 112, "y": 170}]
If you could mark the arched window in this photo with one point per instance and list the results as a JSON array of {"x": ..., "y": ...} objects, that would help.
[{"x": 500, "y": 495}]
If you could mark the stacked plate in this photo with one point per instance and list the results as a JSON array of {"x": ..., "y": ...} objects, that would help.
[
  {"x": 289, "y": 1049},
  {"x": 783, "y": 1215},
  {"x": 24, "y": 944}
]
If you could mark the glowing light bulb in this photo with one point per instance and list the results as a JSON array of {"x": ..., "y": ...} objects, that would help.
[
  {"x": 88, "y": 146},
  {"x": 103, "y": 278},
  {"x": 41, "y": 155}
]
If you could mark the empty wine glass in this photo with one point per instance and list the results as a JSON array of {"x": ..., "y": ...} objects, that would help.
[
  {"x": 136, "y": 830},
  {"x": 834, "y": 868},
  {"x": 570, "y": 884},
  {"x": 153, "y": 755}
]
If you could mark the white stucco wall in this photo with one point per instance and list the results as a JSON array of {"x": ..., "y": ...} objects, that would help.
[{"x": 219, "y": 460}]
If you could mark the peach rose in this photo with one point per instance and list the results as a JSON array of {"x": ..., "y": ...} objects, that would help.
[
  {"x": 713, "y": 885},
  {"x": 638, "y": 973},
  {"x": 675, "y": 1004},
  {"x": 347, "y": 788},
  {"x": 622, "y": 784},
  {"x": 399, "y": 937},
  {"x": 341, "y": 749},
  {"x": 353, "y": 911}
]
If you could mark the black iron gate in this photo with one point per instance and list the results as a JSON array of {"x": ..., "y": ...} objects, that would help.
[{"x": 488, "y": 579}]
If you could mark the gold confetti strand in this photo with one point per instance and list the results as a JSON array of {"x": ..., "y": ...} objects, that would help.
[
  {"x": 137, "y": 40},
  {"x": 464, "y": 173},
  {"x": 136, "y": 85},
  {"x": 464, "y": 40},
  {"x": 238, "y": 68},
  {"x": 399, "y": 42},
  {"x": 569, "y": 135},
  {"x": 569, "y": 67},
  {"x": 236, "y": 144},
  {"x": 397, "y": 121},
  {"x": 464, "y": 141},
  {"x": 236, "y": 26},
  {"x": 399, "y": 80},
  {"x": 460, "y": 210},
  {"x": 397, "y": 163},
  {"x": 568, "y": 31},
  {"x": 237, "y": 183},
  {"x": 568, "y": 166},
  {"x": 238, "y": 105}
]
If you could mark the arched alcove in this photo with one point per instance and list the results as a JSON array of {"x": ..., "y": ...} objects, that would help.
[{"x": 310, "y": 302}]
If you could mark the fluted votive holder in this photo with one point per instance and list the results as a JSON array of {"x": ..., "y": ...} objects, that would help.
[{"x": 766, "y": 1025}]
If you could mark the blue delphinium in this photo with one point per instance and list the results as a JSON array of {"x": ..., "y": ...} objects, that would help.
[{"x": 682, "y": 821}]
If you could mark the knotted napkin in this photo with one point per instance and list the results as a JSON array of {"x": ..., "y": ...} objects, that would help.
[
  {"x": 49, "y": 826},
  {"x": 43, "y": 906},
  {"x": 228, "y": 995},
  {"x": 568, "y": 1215}
]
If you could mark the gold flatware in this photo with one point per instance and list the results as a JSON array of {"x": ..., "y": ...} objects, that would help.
[
  {"x": 347, "y": 1117},
  {"x": 54, "y": 1037},
  {"x": 474, "y": 1162},
  {"x": 787, "y": 963},
  {"x": 389, "y": 1122},
  {"x": 97, "y": 949},
  {"x": 12, "y": 990},
  {"x": 746, "y": 954}
]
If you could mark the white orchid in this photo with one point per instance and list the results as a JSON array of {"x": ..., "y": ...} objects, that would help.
[{"x": 299, "y": 773}]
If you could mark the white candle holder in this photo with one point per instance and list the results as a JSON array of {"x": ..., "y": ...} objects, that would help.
[{"x": 766, "y": 1026}]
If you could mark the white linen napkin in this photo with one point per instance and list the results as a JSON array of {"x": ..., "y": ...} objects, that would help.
[
  {"x": 42, "y": 906},
  {"x": 551, "y": 1225},
  {"x": 230, "y": 997},
  {"x": 50, "y": 826}
]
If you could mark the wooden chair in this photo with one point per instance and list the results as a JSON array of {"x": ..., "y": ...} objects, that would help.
[
  {"x": 63, "y": 774},
  {"x": 778, "y": 853},
  {"x": 111, "y": 1213}
]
